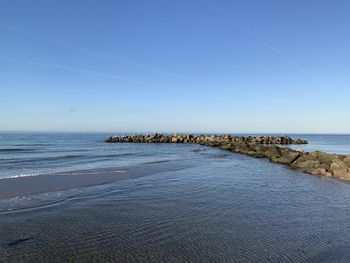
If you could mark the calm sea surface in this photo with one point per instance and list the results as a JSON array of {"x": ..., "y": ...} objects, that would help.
[{"x": 225, "y": 207}]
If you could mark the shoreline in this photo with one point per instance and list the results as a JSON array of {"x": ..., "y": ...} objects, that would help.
[
  {"x": 315, "y": 163},
  {"x": 21, "y": 186}
]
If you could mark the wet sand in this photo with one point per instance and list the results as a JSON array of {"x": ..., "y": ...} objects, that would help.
[{"x": 20, "y": 186}]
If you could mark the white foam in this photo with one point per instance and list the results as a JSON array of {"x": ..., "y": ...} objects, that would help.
[
  {"x": 67, "y": 173},
  {"x": 18, "y": 176}
]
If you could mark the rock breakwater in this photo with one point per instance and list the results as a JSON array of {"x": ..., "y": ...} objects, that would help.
[
  {"x": 270, "y": 147},
  {"x": 192, "y": 138}
]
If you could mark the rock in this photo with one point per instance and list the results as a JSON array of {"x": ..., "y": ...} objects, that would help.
[
  {"x": 272, "y": 153},
  {"x": 287, "y": 157},
  {"x": 325, "y": 158},
  {"x": 309, "y": 166},
  {"x": 190, "y": 138},
  {"x": 319, "y": 172},
  {"x": 339, "y": 169},
  {"x": 316, "y": 163},
  {"x": 309, "y": 161},
  {"x": 226, "y": 146},
  {"x": 346, "y": 160}
]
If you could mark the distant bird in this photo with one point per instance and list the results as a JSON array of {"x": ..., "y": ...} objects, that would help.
[{"x": 72, "y": 110}]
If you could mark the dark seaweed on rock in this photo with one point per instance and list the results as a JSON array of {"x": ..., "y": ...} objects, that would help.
[{"x": 315, "y": 163}]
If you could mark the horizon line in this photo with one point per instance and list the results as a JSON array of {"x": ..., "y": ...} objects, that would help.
[{"x": 176, "y": 132}]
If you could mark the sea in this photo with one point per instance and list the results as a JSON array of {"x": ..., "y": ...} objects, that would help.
[{"x": 220, "y": 207}]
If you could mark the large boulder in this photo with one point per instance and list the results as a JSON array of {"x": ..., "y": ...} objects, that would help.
[
  {"x": 346, "y": 160},
  {"x": 287, "y": 156},
  {"x": 309, "y": 162},
  {"x": 323, "y": 157},
  {"x": 339, "y": 169},
  {"x": 320, "y": 172}
]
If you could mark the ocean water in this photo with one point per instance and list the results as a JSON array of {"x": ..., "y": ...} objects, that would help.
[
  {"x": 330, "y": 143},
  {"x": 32, "y": 154},
  {"x": 225, "y": 207}
]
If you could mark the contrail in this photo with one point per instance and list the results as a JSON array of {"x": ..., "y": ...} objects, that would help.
[
  {"x": 93, "y": 53},
  {"x": 130, "y": 63},
  {"x": 32, "y": 62},
  {"x": 258, "y": 38}
]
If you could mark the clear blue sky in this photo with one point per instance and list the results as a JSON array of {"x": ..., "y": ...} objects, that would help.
[{"x": 175, "y": 65}]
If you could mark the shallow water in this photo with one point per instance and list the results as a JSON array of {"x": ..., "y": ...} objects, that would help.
[
  {"x": 225, "y": 208},
  {"x": 32, "y": 154}
]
